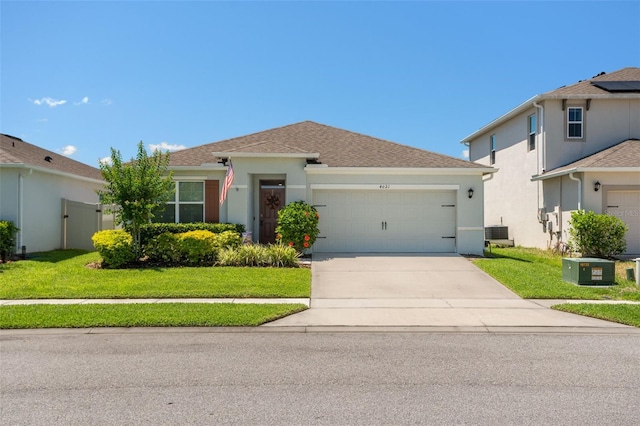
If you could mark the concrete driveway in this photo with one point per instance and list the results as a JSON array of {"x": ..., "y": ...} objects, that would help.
[{"x": 440, "y": 291}]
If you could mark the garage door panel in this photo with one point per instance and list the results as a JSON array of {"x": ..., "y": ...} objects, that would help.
[
  {"x": 386, "y": 221},
  {"x": 626, "y": 206}
]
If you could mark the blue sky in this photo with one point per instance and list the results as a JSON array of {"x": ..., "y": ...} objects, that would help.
[{"x": 80, "y": 77}]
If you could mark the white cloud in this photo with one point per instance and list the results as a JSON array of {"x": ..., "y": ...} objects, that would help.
[
  {"x": 84, "y": 100},
  {"x": 106, "y": 101},
  {"x": 465, "y": 154},
  {"x": 42, "y": 120},
  {"x": 49, "y": 101},
  {"x": 105, "y": 160},
  {"x": 164, "y": 146},
  {"x": 68, "y": 150}
]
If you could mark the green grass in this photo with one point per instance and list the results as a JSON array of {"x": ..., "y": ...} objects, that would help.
[
  {"x": 537, "y": 274},
  {"x": 143, "y": 315},
  {"x": 623, "y": 314},
  {"x": 63, "y": 274}
]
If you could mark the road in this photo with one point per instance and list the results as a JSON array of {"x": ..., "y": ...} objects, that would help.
[{"x": 272, "y": 378}]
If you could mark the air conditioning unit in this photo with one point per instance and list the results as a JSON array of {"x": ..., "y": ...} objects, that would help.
[{"x": 496, "y": 232}]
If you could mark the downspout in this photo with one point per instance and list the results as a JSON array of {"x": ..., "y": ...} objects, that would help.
[
  {"x": 20, "y": 224},
  {"x": 579, "y": 189},
  {"x": 543, "y": 148}
]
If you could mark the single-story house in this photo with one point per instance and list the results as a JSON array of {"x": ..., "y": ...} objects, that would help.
[
  {"x": 50, "y": 197},
  {"x": 372, "y": 195}
]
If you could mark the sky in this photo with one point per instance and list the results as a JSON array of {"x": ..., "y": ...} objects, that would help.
[{"x": 80, "y": 78}]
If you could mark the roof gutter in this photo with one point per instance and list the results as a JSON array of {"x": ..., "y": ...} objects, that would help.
[
  {"x": 583, "y": 170},
  {"x": 32, "y": 168}
]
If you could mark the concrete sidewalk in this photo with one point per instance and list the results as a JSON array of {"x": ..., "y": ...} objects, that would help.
[{"x": 424, "y": 291}]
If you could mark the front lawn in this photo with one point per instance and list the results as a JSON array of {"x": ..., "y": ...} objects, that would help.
[
  {"x": 143, "y": 315},
  {"x": 63, "y": 274},
  {"x": 537, "y": 274},
  {"x": 623, "y": 314}
]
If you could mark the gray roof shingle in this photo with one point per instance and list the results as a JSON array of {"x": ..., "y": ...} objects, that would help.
[
  {"x": 16, "y": 151},
  {"x": 337, "y": 148},
  {"x": 624, "y": 154},
  {"x": 586, "y": 88}
]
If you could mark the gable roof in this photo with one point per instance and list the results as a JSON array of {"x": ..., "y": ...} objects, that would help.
[
  {"x": 624, "y": 156},
  {"x": 585, "y": 89},
  {"x": 329, "y": 145},
  {"x": 16, "y": 152}
]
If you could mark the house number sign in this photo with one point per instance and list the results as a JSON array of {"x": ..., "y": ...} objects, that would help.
[{"x": 385, "y": 186}]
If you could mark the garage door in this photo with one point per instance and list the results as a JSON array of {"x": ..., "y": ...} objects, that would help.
[
  {"x": 626, "y": 206},
  {"x": 386, "y": 221}
]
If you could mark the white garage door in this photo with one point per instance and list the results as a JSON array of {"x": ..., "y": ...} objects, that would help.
[
  {"x": 626, "y": 206},
  {"x": 386, "y": 221}
]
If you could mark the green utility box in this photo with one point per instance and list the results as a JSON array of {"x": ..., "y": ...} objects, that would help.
[{"x": 588, "y": 271}]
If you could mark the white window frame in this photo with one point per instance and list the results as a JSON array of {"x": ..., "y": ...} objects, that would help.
[
  {"x": 531, "y": 132},
  {"x": 492, "y": 149},
  {"x": 580, "y": 122},
  {"x": 177, "y": 203}
]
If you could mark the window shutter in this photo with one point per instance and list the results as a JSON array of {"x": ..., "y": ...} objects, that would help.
[{"x": 211, "y": 201}]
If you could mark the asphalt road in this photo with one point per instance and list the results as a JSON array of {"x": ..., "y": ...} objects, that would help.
[{"x": 341, "y": 379}]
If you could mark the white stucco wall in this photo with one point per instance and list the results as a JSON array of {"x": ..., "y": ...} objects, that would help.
[{"x": 41, "y": 220}]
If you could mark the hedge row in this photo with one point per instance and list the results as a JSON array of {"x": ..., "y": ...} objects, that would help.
[{"x": 152, "y": 230}]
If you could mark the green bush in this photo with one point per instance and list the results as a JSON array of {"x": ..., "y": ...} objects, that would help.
[
  {"x": 115, "y": 247},
  {"x": 273, "y": 255},
  {"x": 7, "y": 238},
  {"x": 298, "y": 225},
  {"x": 197, "y": 247},
  {"x": 228, "y": 239},
  {"x": 163, "y": 249},
  {"x": 152, "y": 230},
  {"x": 597, "y": 235},
  {"x": 281, "y": 256}
]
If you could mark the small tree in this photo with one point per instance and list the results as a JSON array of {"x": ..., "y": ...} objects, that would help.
[
  {"x": 298, "y": 225},
  {"x": 597, "y": 235},
  {"x": 136, "y": 189}
]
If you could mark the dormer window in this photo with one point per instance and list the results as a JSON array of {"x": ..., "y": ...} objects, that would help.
[{"x": 575, "y": 123}]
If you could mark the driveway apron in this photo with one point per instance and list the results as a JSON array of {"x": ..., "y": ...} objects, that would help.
[{"x": 441, "y": 291}]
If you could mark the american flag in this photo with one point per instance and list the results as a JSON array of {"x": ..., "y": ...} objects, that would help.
[{"x": 228, "y": 179}]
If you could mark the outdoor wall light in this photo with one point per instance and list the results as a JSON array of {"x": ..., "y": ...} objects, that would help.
[
  {"x": 470, "y": 192},
  {"x": 596, "y": 186}
]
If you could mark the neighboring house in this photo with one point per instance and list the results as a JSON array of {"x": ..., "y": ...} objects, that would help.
[
  {"x": 372, "y": 195},
  {"x": 572, "y": 148},
  {"x": 51, "y": 198}
]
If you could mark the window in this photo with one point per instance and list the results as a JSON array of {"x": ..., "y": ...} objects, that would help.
[
  {"x": 532, "y": 132},
  {"x": 575, "y": 123},
  {"x": 186, "y": 204},
  {"x": 492, "y": 150}
]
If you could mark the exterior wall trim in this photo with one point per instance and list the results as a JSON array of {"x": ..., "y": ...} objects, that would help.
[
  {"x": 384, "y": 187},
  {"x": 51, "y": 171},
  {"x": 396, "y": 171}
]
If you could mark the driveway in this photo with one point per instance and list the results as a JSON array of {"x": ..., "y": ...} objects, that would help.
[{"x": 441, "y": 291}]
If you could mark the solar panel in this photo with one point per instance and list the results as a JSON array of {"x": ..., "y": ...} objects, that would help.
[{"x": 618, "y": 86}]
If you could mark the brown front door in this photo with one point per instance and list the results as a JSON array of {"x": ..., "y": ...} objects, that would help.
[{"x": 271, "y": 201}]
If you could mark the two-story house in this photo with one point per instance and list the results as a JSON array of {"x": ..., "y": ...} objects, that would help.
[{"x": 576, "y": 147}]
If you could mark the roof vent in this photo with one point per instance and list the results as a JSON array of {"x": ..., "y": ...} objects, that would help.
[{"x": 48, "y": 159}]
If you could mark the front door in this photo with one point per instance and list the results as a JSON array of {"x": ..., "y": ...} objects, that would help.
[{"x": 271, "y": 201}]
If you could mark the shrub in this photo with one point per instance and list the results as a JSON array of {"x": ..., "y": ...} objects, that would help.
[
  {"x": 597, "y": 235},
  {"x": 281, "y": 256},
  {"x": 228, "y": 239},
  {"x": 163, "y": 249},
  {"x": 274, "y": 255},
  {"x": 115, "y": 247},
  {"x": 298, "y": 225},
  {"x": 7, "y": 238},
  {"x": 197, "y": 247},
  {"x": 151, "y": 230}
]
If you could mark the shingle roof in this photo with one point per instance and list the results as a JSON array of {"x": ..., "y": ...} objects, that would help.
[
  {"x": 623, "y": 155},
  {"x": 586, "y": 87},
  {"x": 337, "y": 148},
  {"x": 16, "y": 151}
]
